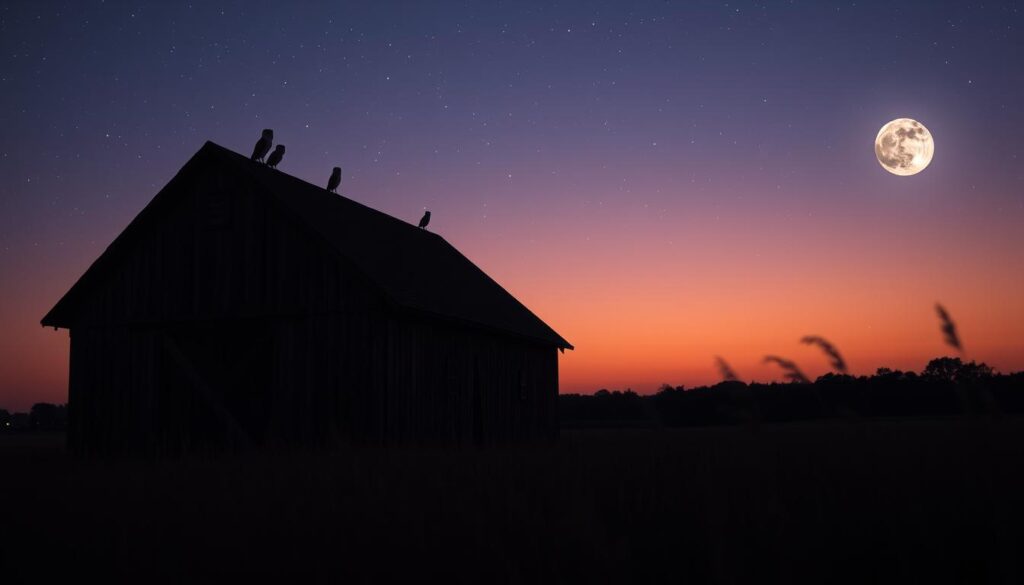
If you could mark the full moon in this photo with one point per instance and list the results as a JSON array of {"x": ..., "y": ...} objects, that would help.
[{"x": 904, "y": 147}]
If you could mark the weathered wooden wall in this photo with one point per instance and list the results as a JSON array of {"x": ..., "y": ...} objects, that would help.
[{"x": 228, "y": 324}]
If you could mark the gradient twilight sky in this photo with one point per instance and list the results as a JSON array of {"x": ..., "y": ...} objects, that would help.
[{"x": 662, "y": 182}]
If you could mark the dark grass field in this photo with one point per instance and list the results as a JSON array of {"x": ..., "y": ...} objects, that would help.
[{"x": 903, "y": 501}]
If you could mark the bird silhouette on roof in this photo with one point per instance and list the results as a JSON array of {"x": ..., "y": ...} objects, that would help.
[
  {"x": 335, "y": 180},
  {"x": 263, "y": 145},
  {"x": 425, "y": 219},
  {"x": 276, "y": 156}
]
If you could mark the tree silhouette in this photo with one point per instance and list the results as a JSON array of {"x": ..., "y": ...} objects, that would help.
[
  {"x": 47, "y": 417},
  {"x": 952, "y": 369}
]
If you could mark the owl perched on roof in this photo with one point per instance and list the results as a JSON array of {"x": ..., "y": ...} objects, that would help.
[
  {"x": 276, "y": 156},
  {"x": 335, "y": 180},
  {"x": 263, "y": 145}
]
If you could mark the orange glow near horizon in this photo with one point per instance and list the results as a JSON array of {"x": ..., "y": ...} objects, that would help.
[
  {"x": 646, "y": 305},
  {"x": 652, "y": 307},
  {"x": 655, "y": 297}
]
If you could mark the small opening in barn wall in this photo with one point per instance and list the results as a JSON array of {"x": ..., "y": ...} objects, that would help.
[{"x": 216, "y": 209}]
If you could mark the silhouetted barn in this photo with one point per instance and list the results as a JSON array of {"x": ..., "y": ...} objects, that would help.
[{"x": 244, "y": 306}]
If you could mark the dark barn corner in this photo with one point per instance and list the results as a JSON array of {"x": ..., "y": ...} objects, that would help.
[{"x": 245, "y": 308}]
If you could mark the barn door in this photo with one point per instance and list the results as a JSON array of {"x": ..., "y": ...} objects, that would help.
[{"x": 215, "y": 384}]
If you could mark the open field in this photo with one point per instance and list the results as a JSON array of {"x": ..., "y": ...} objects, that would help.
[{"x": 926, "y": 501}]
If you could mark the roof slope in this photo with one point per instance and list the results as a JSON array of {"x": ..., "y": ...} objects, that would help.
[{"x": 416, "y": 269}]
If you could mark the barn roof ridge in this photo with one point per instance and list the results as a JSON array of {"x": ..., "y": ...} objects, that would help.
[
  {"x": 406, "y": 262},
  {"x": 255, "y": 166}
]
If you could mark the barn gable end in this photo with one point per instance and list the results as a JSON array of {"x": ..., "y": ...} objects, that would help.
[{"x": 245, "y": 307}]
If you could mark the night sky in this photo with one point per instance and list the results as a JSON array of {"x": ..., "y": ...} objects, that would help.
[{"x": 661, "y": 182}]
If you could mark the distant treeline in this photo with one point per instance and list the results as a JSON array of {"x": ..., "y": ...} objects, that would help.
[
  {"x": 42, "y": 417},
  {"x": 946, "y": 386}
]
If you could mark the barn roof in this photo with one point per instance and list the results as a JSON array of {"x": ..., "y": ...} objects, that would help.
[{"x": 415, "y": 269}]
